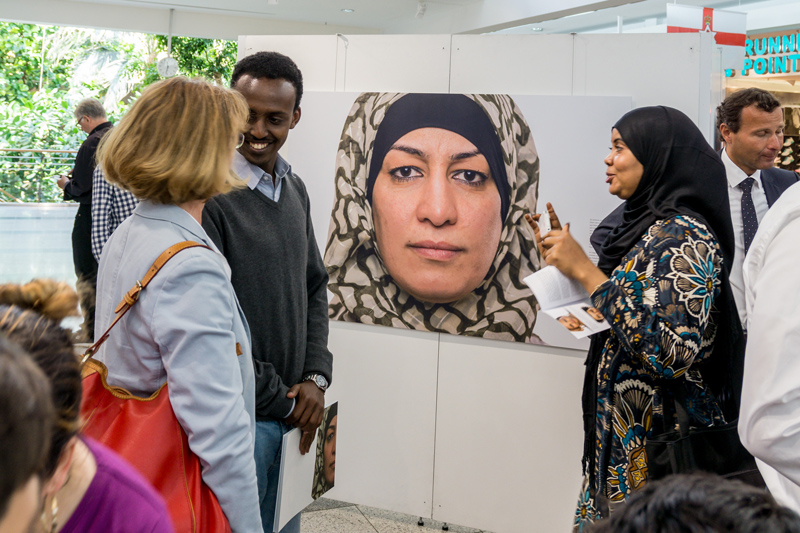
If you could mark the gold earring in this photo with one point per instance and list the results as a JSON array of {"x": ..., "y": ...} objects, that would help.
[{"x": 54, "y": 518}]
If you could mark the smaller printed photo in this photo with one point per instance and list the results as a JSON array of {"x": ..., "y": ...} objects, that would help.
[
  {"x": 596, "y": 315},
  {"x": 580, "y": 319},
  {"x": 325, "y": 465},
  {"x": 571, "y": 322}
]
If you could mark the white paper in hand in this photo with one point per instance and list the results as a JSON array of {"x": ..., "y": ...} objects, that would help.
[{"x": 554, "y": 289}]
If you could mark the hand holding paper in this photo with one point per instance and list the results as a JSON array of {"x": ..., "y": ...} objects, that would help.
[{"x": 562, "y": 251}]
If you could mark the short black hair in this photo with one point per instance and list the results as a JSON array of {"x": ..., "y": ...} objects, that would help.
[
  {"x": 273, "y": 66},
  {"x": 700, "y": 503},
  {"x": 729, "y": 112}
]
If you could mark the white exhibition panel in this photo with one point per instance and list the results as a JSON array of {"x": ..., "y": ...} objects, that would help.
[
  {"x": 672, "y": 70},
  {"x": 311, "y": 150},
  {"x": 399, "y": 63},
  {"x": 384, "y": 376},
  {"x": 572, "y": 135},
  {"x": 512, "y": 64},
  {"x": 385, "y": 382},
  {"x": 509, "y": 435},
  {"x": 315, "y": 56}
]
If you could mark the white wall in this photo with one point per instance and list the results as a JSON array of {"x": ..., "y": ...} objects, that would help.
[{"x": 470, "y": 431}]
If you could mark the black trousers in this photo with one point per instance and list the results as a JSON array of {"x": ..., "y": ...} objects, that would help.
[{"x": 85, "y": 266}]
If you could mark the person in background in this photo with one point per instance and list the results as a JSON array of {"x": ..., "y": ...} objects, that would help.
[
  {"x": 110, "y": 206},
  {"x": 26, "y": 424},
  {"x": 265, "y": 232},
  {"x": 769, "y": 420},
  {"x": 750, "y": 122},
  {"x": 700, "y": 503},
  {"x": 77, "y": 185},
  {"x": 87, "y": 487}
]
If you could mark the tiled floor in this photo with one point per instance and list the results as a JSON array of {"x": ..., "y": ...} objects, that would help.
[{"x": 330, "y": 516}]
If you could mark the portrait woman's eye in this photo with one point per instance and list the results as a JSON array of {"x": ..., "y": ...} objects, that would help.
[
  {"x": 330, "y": 436},
  {"x": 405, "y": 173},
  {"x": 471, "y": 177}
]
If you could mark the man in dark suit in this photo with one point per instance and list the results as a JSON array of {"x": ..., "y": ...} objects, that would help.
[{"x": 750, "y": 123}]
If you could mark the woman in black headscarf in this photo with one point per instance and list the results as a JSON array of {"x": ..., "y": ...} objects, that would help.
[{"x": 662, "y": 284}]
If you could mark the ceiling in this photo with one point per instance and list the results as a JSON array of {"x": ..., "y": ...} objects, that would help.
[{"x": 301, "y": 17}]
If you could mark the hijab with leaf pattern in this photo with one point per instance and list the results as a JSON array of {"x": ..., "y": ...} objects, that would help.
[{"x": 502, "y": 306}]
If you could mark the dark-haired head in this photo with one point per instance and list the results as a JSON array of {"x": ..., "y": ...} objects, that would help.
[
  {"x": 273, "y": 66},
  {"x": 730, "y": 110},
  {"x": 51, "y": 348},
  {"x": 700, "y": 503},
  {"x": 26, "y": 422}
]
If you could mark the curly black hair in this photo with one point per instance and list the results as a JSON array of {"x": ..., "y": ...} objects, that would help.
[
  {"x": 700, "y": 503},
  {"x": 273, "y": 66}
]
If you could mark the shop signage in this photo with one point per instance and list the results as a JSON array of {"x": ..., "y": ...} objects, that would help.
[{"x": 774, "y": 55}]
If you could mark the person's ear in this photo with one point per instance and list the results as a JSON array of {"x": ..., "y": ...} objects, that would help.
[
  {"x": 725, "y": 132},
  {"x": 295, "y": 118},
  {"x": 59, "y": 477}
]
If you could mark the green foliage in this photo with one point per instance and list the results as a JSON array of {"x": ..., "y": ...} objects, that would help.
[
  {"x": 78, "y": 63},
  {"x": 21, "y": 62},
  {"x": 212, "y": 59},
  {"x": 44, "y": 122}
]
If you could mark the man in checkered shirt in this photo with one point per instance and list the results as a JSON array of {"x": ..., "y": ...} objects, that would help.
[{"x": 110, "y": 206}]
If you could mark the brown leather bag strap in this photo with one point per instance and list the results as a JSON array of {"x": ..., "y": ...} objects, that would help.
[{"x": 132, "y": 296}]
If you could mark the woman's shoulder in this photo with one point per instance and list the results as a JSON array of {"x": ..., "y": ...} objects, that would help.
[
  {"x": 677, "y": 230},
  {"x": 117, "y": 490}
]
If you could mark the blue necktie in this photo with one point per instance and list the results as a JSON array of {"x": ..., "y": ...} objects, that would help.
[{"x": 749, "y": 218}]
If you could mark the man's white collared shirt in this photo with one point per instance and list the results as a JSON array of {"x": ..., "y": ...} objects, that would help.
[{"x": 736, "y": 176}]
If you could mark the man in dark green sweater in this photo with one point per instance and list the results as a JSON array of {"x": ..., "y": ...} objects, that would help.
[{"x": 265, "y": 232}]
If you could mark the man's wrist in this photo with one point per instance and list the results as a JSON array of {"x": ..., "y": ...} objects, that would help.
[{"x": 318, "y": 379}]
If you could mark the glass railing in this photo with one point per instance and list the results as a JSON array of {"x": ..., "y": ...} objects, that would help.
[
  {"x": 36, "y": 242},
  {"x": 28, "y": 175}
]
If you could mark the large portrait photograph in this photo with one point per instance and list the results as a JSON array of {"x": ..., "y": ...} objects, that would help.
[
  {"x": 428, "y": 227},
  {"x": 419, "y": 200}
]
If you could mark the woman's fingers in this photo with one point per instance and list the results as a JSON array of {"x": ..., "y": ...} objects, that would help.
[
  {"x": 536, "y": 232},
  {"x": 554, "y": 222}
]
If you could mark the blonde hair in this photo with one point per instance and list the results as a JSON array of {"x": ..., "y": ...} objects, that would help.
[{"x": 175, "y": 143}]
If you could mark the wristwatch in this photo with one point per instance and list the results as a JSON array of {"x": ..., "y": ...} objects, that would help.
[{"x": 319, "y": 380}]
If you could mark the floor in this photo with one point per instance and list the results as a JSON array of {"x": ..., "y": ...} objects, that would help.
[{"x": 331, "y": 516}]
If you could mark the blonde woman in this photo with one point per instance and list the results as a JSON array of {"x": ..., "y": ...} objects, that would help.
[{"x": 173, "y": 151}]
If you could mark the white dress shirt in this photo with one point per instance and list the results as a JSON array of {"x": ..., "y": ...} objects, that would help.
[
  {"x": 769, "y": 419},
  {"x": 736, "y": 176}
]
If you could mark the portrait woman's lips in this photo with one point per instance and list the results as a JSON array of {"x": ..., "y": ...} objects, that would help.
[
  {"x": 609, "y": 177},
  {"x": 437, "y": 251}
]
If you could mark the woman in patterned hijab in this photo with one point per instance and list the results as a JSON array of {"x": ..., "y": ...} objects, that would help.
[{"x": 427, "y": 228}]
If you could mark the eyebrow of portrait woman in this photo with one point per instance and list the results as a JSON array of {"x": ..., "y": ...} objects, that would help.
[{"x": 419, "y": 153}]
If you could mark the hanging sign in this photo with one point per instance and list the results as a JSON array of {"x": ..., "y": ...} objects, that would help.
[{"x": 728, "y": 27}]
